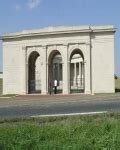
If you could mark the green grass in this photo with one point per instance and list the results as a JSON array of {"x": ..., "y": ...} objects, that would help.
[
  {"x": 1, "y": 85},
  {"x": 101, "y": 132},
  {"x": 8, "y": 95},
  {"x": 117, "y": 85}
]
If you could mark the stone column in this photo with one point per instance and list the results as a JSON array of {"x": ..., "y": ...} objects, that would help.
[
  {"x": 75, "y": 74},
  {"x": 58, "y": 72},
  {"x": 66, "y": 74},
  {"x": 44, "y": 70},
  {"x": 87, "y": 70},
  {"x": 74, "y": 70},
  {"x": 61, "y": 76},
  {"x": 82, "y": 74},
  {"x": 82, "y": 64},
  {"x": 80, "y": 69},
  {"x": 79, "y": 74}
]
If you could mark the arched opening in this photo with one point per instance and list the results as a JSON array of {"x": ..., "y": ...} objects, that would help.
[
  {"x": 55, "y": 71},
  {"x": 34, "y": 73},
  {"x": 77, "y": 72}
]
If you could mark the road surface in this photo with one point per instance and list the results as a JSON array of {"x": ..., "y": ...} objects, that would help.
[{"x": 51, "y": 105}]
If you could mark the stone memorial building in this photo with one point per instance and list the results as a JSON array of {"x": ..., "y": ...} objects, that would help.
[{"x": 80, "y": 58}]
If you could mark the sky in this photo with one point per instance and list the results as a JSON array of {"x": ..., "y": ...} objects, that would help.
[{"x": 18, "y": 15}]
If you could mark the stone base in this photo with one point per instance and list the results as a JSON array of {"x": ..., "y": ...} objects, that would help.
[{"x": 87, "y": 92}]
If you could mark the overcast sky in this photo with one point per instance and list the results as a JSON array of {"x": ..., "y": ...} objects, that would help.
[{"x": 17, "y": 15}]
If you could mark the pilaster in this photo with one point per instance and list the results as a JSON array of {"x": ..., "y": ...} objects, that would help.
[
  {"x": 86, "y": 71},
  {"x": 24, "y": 71},
  {"x": 44, "y": 70},
  {"x": 66, "y": 71}
]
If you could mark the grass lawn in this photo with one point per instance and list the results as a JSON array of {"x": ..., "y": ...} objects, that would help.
[
  {"x": 100, "y": 132},
  {"x": 117, "y": 85},
  {"x": 1, "y": 83},
  {"x": 8, "y": 95}
]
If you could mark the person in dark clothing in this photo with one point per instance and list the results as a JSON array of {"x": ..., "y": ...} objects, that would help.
[{"x": 50, "y": 87}]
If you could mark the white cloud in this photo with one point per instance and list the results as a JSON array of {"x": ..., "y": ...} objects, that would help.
[
  {"x": 17, "y": 7},
  {"x": 33, "y": 3}
]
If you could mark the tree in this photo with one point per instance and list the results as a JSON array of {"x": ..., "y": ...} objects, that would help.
[{"x": 115, "y": 76}]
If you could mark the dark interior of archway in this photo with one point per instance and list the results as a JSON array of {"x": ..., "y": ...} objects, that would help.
[
  {"x": 31, "y": 70},
  {"x": 51, "y": 57}
]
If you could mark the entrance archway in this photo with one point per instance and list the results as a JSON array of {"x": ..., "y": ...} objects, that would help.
[
  {"x": 34, "y": 73},
  {"x": 77, "y": 72},
  {"x": 55, "y": 70}
]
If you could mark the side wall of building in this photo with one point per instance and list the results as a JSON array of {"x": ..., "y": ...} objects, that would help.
[
  {"x": 12, "y": 68},
  {"x": 103, "y": 62}
]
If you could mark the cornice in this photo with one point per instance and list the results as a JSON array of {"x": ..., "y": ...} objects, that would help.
[{"x": 58, "y": 31}]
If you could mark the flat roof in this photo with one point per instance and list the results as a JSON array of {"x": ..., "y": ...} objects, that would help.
[{"x": 59, "y": 30}]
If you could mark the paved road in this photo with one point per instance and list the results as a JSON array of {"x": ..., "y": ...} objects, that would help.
[{"x": 26, "y": 107}]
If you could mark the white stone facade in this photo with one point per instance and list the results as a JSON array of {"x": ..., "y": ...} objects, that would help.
[{"x": 28, "y": 56}]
